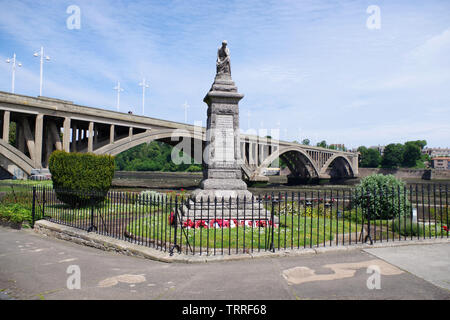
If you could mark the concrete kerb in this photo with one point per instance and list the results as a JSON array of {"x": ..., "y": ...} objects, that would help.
[{"x": 106, "y": 243}]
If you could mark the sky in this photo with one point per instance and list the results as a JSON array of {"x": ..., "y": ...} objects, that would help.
[{"x": 310, "y": 69}]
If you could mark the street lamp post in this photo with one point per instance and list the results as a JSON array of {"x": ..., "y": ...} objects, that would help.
[
  {"x": 41, "y": 55},
  {"x": 144, "y": 85},
  {"x": 14, "y": 63},
  {"x": 118, "y": 89}
]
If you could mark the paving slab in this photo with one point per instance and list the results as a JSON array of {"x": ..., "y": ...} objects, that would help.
[{"x": 429, "y": 262}]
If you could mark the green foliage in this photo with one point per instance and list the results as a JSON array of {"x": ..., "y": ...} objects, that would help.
[
  {"x": 420, "y": 143},
  {"x": 14, "y": 212},
  {"x": 382, "y": 196},
  {"x": 81, "y": 178},
  {"x": 370, "y": 158},
  {"x": 306, "y": 142},
  {"x": 393, "y": 155},
  {"x": 194, "y": 168},
  {"x": 154, "y": 156},
  {"x": 411, "y": 154},
  {"x": 322, "y": 144},
  {"x": 407, "y": 228},
  {"x": 407, "y": 155},
  {"x": 12, "y": 133}
]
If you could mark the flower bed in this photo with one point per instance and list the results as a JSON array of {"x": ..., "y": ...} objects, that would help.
[{"x": 227, "y": 223}]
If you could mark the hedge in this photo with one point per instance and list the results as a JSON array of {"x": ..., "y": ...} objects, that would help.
[{"x": 81, "y": 178}]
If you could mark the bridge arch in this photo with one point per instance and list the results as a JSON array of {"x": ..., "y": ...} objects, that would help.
[
  {"x": 12, "y": 159},
  {"x": 298, "y": 160},
  {"x": 338, "y": 166},
  {"x": 164, "y": 135}
]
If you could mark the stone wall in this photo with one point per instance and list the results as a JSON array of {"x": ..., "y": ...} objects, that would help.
[{"x": 403, "y": 173}]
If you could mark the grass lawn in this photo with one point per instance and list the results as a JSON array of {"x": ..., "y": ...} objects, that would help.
[{"x": 292, "y": 231}]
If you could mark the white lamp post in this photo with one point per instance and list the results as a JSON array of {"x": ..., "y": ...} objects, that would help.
[
  {"x": 14, "y": 63},
  {"x": 41, "y": 55},
  {"x": 118, "y": 89},
  {"x": 144, "y": 85}
]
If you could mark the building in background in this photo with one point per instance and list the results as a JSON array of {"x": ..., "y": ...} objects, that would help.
[
  {"x": 437, "y": 152},
  {"x": 440, "y": 163}
]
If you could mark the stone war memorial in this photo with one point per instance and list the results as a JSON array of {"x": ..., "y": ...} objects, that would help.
[{"x": 222, "y": 176}]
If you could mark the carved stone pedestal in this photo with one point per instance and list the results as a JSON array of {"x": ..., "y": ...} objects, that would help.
[{"x": 222, "y": 175}]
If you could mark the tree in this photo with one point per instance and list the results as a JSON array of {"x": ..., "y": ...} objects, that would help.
[
  {"x": 420, "y": 143},
  {"x": 411, "y": 154},
  {"x": 322, "y": 144},
  {"x": 154, "y": 156},
  {"x": 383, "y": 196},
  {"x": 370, "y": 158},
  {"x": 306, "y": 142},
  {"x": 393, "y": 155}
]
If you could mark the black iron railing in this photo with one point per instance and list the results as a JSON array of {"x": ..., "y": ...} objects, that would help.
[{"x": 269, "y": 222}]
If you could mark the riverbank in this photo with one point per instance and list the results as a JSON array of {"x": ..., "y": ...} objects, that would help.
[{"x": 127, "y": 180}]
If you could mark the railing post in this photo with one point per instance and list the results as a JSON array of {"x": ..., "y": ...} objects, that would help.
[
  {"x": 272, "y": 218},
  {"x": 33, "y": 207},
  {"x": 368, "y": 236},
  {"x": 175, "y": 221},
  {"x": 43, "y": 202},
  {"x": 92, "y": 227}
]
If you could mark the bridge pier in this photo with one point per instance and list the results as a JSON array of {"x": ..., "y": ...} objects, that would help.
[
  {"x": 6, "y": 120},
  {"x": 38, "y": 136},
  {"x": 66, "y": 134}
]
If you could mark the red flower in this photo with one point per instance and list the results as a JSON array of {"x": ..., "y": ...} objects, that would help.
[
  {"x": 188, "y": 223},
  {"x": 261, "y": 223},
  {"x": 445, "y": 228},
  {"x": 172, "y": 218},
  {"x": 201, "y": 224}
]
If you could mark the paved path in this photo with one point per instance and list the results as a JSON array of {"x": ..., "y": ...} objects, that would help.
[
  {"x": 35, "y": 267},
  {"x": 429, "y": 262}
]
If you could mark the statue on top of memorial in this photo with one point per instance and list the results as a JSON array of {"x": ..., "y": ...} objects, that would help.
[{"x": 223, "y": 60}]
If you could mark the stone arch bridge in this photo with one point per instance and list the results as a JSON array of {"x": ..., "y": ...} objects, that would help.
[{"x": 44, "y": 124}]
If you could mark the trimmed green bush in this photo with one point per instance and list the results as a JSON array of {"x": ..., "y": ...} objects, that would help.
[
  {"x": 382, "y": 196},
  {"x": 81, "y": 178}
]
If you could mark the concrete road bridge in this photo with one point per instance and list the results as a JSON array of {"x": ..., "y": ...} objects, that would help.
[{"x": 43, "y": 125}]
